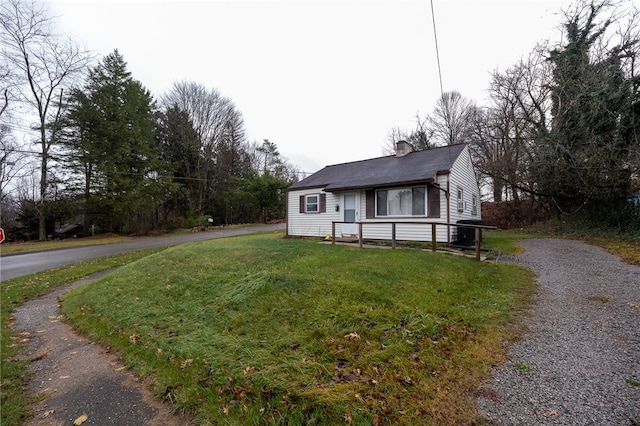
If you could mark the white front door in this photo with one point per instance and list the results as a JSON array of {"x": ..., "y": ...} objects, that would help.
[{"x": 350, "y": 213}]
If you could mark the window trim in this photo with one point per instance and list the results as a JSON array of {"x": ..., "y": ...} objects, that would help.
[
  {"x": 317, "y": 203},
  {"x": 460, "y": 199},
  {"x": 474, "y": 204},
  {"x": 321, "y": 203}
]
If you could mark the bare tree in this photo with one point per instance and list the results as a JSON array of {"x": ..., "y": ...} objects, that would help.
[
  {"x": 12, "y": 164},
  {"x": 215, "y": 121},
  {"x": 421, "y": 137},
  {"x": 449, "y": 121},
  {"x": 503, "y": 133},
  {"x": 45, "y": 63}
]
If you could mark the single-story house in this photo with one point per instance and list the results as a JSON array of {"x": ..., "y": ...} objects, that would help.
[{"x": 410, "y": 188}]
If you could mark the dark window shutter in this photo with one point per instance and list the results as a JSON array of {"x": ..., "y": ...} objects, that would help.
[
  {"x": 370, "y": 200},
  {"x": 323, "y": 203},
  {"x": 434, "y": 201},
  {"x": 302, "y": 204}
]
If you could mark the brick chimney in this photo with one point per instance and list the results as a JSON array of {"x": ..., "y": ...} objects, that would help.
[{"x": 403, "y": 148}]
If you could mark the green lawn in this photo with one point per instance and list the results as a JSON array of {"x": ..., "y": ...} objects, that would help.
[
  {"x": 14, "y": 402},
  {"x": 261, "y": 329},
  {"x": 265, "y": 330}
]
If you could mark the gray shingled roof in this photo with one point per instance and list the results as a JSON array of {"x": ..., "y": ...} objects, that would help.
[{"x": 416, "y": 167}]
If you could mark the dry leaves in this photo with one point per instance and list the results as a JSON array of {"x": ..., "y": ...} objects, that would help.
[{"x": 83, "y": 418}]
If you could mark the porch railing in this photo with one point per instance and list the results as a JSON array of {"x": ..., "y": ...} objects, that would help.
[{"x": 477, "y": 228}]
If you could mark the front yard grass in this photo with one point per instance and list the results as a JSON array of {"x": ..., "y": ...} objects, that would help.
[
  {"x": 265, "y": 330},
  {"x": 14, "y": 401}
]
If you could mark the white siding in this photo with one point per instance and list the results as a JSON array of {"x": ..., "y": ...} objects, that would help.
[
  {"x": 319, "y": 224},
  {"x": 408, "y": 231},
  {"x": 310, "y": 224},
  {"x": 463, "y": 176}
]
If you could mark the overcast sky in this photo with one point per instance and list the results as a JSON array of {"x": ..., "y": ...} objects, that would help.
[{"x": 324, "y": 80}]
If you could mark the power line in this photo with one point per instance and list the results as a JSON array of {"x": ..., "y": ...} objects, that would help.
[{"x": 435, "y": 36}]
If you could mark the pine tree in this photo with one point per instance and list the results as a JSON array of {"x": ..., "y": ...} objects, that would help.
[{"x": 114, "y": 142}]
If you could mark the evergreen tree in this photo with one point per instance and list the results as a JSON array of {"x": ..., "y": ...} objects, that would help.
[
  {"x": 181, "y": 156},
  {"x": 113, "y": 139}
]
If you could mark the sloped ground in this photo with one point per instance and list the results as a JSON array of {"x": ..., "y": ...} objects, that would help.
[
  {"x": 79, "y": 377},
  {"x": 579, "y": 361}
]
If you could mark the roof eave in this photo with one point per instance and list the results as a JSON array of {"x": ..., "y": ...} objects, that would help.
[{"x": 332, "y": 188}]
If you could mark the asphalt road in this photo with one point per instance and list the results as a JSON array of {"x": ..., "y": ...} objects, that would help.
[{"x": 23, "y": 264}]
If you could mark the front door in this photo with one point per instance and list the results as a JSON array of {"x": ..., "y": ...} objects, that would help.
[{"x": 350, "y": 213}]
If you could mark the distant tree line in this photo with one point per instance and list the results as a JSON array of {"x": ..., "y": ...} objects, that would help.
[
  {"x": 113, "y": 157},
  {"x": 561, "y": 132}
]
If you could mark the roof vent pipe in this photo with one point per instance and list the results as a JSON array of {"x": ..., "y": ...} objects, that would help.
[{"x": 403, "y": 148}]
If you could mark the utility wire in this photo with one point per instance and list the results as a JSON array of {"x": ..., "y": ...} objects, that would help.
[{"x": 435, "y": 36}]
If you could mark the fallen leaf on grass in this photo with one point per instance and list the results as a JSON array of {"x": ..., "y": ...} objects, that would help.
[
  {"x": 38, "y": 357},
  {"x": 83, "y": 418},
  {"x": 352, "y": 335}
]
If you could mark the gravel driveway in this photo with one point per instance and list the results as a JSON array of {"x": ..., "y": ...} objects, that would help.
[{"x": 579, "y": 361}]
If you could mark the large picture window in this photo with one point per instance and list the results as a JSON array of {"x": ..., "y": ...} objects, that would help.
[{"x": 401, "y": 202}]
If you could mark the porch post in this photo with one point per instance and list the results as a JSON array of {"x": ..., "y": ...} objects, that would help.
[
  {"x": 433, "y": 237},
  {"x": 393, "y": 235},
  {"x": 333, "y": 232}
]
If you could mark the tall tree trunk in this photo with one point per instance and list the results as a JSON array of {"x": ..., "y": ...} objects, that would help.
[{"x": 42, "y": 214}]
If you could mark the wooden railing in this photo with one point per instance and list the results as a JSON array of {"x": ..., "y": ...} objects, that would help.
[{"x": 477, "y": 228}]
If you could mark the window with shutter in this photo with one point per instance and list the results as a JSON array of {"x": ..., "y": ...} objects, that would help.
[{"x": 313, "y": 203}]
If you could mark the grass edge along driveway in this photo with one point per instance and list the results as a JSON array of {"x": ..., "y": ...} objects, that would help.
[
  {"x": 14, "y": 400},
  {"x": 264, "y": 330}
]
